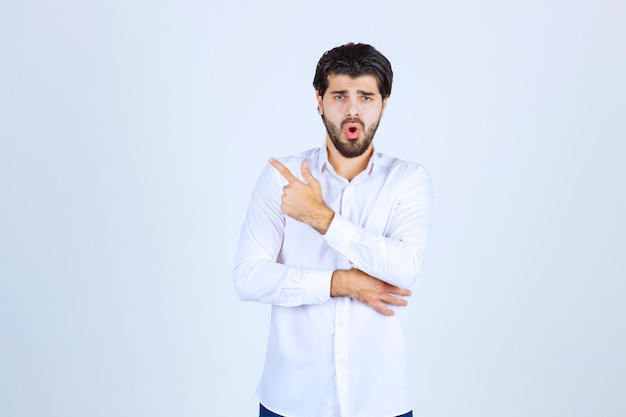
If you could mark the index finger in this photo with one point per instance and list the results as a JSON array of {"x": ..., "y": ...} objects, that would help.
[
  {"x": 399, "y": 291},
  {"x": 283, "y": 170}
]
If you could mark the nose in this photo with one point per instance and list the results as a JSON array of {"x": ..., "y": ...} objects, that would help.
[{"x": 353, "y": 108}]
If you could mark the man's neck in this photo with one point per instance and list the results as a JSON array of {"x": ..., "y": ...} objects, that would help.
[{"x": 347, "y": 167}]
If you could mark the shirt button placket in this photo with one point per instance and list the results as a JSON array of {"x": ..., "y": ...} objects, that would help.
[
  {"x": 341, "y": 321},
  {"x": 346, "y": 200},
  {"x": 341, "y": 352}
]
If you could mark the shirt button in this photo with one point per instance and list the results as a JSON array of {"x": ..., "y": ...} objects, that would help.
[
  {"x": 342, "y": 360},
  {"x": 340, "y": 323}
]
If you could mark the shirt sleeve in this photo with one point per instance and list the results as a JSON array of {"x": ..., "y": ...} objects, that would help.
[
  {"x": 396, "y": 256},
  {"x": 257, "y": 275}
]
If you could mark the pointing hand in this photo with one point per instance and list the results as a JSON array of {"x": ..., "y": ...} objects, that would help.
[{"x": 302, "y": 201}]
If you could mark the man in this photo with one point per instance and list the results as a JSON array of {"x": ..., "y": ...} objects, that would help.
[{"x": 333, "y": 239}]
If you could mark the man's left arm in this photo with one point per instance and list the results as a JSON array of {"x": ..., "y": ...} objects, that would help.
[{"x": 395, "y": 258}]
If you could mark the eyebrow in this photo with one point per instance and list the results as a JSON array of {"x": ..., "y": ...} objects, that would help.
[{"x": 360, "y": 92}]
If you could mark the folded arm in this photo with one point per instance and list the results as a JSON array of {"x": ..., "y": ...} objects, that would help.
[
  {"x": 257, "y": 274},
  {"x": 382, "y": 266},
  {"x": 396, "y": 257}
]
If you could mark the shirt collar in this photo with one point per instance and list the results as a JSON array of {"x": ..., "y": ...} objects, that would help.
[{"x": 324, "y": 165}]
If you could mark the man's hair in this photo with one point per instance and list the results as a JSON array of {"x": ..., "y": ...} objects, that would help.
[{"x": 354, "y": 60}]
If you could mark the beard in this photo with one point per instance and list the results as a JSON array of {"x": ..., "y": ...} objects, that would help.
[{"x": 351, "y": 148}]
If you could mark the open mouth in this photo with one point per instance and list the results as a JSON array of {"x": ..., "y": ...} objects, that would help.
[{"x": 352, "y": 130}]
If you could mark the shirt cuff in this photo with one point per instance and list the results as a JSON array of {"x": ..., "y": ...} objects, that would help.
[
  {"x": 340, "y": 234},
  {"x": 318, "y": 290}
]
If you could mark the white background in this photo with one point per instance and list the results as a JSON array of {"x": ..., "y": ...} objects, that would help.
[{"x": 132, "y": 133}]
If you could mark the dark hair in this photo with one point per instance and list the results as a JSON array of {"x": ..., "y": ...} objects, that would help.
[{"x": 354, "y": 60}]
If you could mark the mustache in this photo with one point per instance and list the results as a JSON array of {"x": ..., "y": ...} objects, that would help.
[{"x": 352, "y": 120}]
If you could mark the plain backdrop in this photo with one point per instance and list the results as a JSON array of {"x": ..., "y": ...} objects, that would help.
[{"x": 131, "y": 136}]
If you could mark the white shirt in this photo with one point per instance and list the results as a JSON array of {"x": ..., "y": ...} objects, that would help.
[{"x": 326, "y": 356}]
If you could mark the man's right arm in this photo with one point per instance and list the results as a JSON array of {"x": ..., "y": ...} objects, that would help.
[{"x": 257, "y": 276}]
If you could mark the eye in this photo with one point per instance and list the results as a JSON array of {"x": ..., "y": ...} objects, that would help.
[
  {"x": 367, "y": 98},
  {"x": 339, "y": 96}
]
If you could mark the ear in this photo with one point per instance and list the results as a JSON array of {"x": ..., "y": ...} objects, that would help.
[
  {"x": 382, "y": 111},
  {"x": 320, "y": 107}
]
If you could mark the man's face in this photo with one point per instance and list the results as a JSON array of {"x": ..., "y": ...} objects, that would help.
[{"x": 351, "y": 109}]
